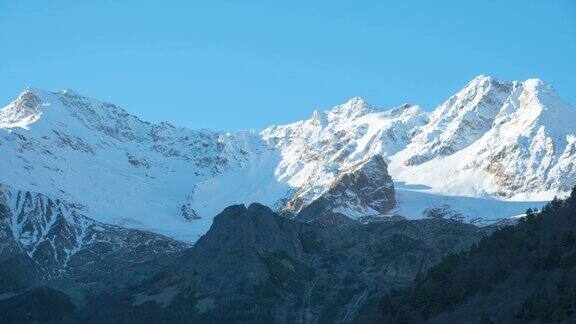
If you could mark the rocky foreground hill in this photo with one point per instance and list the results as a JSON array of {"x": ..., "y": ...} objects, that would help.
[{"x": 252, "y": 266}]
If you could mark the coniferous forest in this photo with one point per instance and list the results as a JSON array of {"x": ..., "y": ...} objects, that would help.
[{"x": 523, "y": 273}]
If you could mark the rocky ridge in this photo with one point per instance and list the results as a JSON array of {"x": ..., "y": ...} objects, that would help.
[{"x": 46, "y": 240}]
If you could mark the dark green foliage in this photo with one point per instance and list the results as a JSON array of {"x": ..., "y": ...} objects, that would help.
[
  {"x": 534, "y": 260},
  {"x": 485, "y": 319},
  {"x": 566, "y": 290},
  {"x": 18, "y": 272},
  {"x": 42, "y": 304},
  {"x": 568, "y": 239},
  {"x": 572, "y": 198},
  {"x": 556, "y": 203},
  {"x": 536, "y": 307}
]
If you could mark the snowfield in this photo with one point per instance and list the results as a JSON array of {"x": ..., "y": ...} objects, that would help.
[{"x": 488, "y": 153}]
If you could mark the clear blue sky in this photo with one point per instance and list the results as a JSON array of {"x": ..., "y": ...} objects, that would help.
[{"x": 230, "y": 65}]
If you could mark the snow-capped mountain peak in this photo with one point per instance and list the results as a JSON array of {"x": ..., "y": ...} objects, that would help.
[
  {"x": 22, "y": 112},
  {"x": 501, "y": 138},
  {"x": 407, "y": 112},
  {"x": 460, "y": 120},
  {"x": 97, "y": 155},
  {"x": 70, "y": 92},
  {"x": 353, "y": 108}
]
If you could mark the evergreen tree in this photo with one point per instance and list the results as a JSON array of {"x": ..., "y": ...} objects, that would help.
[
  {"x": 568, "y": 239},
  {"x": 530, "y": 213},
  {"x": 485, "y": 319},
  {"x": 572, "y": 197},
  {"x": 555, "y": 203}
]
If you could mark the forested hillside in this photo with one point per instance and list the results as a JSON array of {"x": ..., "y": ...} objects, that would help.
[{"x": 523, "y": 273}]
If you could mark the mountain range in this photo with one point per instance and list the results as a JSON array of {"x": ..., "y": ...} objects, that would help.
[
  {"x": 357, "y": 214},
  {"x": 485, "y": 155}
]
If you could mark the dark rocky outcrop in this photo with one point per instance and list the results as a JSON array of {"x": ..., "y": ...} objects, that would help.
[
  {"x": 256, "y": 266},
  {"x": 38, "y": 305},
  {"x": 17, "y": 273}
]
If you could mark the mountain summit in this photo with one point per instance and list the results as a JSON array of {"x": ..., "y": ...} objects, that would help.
[{"x": 518, "y": 136}]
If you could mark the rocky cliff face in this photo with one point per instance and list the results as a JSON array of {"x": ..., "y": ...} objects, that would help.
[
  {"x": 45, "y": 240},
  {"x": 260, "y": 267},
  {"x": 360, "y": 192},
  {"x": 38, "y": 305},
  {"x": 319, "y": 152}
]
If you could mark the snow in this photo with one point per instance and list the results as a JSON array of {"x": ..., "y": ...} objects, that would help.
[
  {"x": 526, "y": 154},
  {"x": 475, "y": 210},
  {"x": 489, "y": 152},
  {"x": 314, "y": 153},
  {"x": 36, "y": 223},
  {"x": 80, "y": 153}
]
